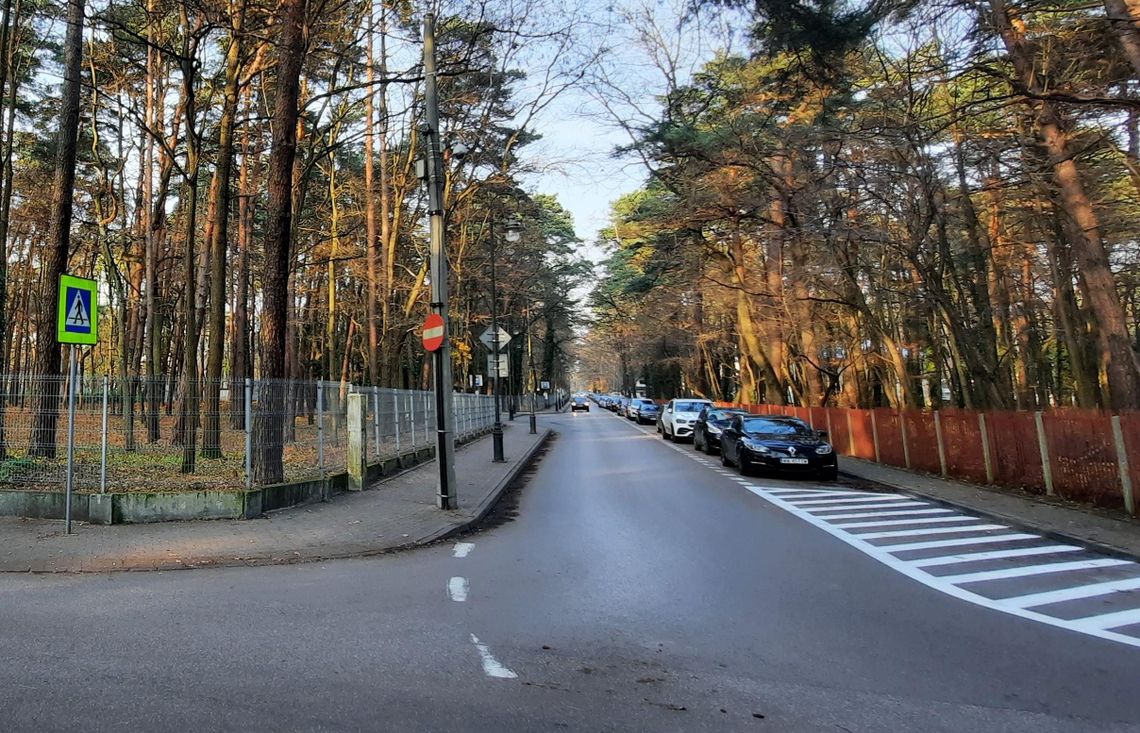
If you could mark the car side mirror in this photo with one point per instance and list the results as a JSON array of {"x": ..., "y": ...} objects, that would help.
[{"x": 822, "y": 434}]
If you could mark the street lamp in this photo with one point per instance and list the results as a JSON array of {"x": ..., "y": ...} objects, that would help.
[{"x": 512, "y": 235}]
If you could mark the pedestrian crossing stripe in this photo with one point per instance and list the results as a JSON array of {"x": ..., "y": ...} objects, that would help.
[{"x": 77, "y": 311}]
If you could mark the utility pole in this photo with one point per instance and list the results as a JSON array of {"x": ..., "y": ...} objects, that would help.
[{"x": 441, "y": 357}]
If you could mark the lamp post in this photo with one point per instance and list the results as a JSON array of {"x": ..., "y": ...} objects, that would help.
[{"x": 512, "y": 235}]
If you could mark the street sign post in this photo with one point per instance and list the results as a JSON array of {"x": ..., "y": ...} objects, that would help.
[
  {"x": 433, "y": 332},
  {"x": 77, "y": 323}
]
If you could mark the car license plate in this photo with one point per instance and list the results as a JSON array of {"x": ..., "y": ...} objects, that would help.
[{"x": 796, "y": 461}]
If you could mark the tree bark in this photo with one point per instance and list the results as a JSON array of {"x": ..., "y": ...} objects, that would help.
[
  {"x": 268, "y": 466},
  {"x": 47, "y": 362}
]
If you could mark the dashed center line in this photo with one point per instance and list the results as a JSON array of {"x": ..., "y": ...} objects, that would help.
[
  {"x": 457, "y": 589},
  {"x": 463, "y": 549},
  {"x": 491, "y": 666}
]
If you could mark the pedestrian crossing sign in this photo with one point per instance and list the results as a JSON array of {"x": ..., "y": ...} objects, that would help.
[{"x": 77, "y": 311}]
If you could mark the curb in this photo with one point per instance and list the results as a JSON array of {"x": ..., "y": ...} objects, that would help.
[
  {"x": 493, "y": 497},
  {"x": 1014, "y": 521}
]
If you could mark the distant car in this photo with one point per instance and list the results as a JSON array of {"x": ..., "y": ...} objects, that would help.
[
  {"x": 648, "y": 413},
  {"x": 777, "y": 443},
  {"x": 710, "y": 424},
  {"x": 633, "y": 412},
  {"x": 678, "y": 417},
  {"x": 579, "y": 403}
]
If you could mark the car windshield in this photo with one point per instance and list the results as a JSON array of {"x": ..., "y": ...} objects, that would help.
[
  {"x": 770, "y": 426},
  {"x": 690, "y": 406}
]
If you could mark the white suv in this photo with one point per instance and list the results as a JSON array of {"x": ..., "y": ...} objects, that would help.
[{"x": 679, "y": 416}]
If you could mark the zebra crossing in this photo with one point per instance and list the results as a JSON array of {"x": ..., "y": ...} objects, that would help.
[{"x": 972, "y": 558}]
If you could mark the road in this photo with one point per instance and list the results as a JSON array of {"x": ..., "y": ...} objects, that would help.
[{"x": 633, "y": 588}]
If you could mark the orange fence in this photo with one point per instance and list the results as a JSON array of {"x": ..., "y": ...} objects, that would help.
[{"x": 1082, "y": 455}]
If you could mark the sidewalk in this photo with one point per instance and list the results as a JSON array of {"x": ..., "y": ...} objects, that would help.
[
  {"x": 1096, "y": 528},
  {"x": 396, "y": 512}
]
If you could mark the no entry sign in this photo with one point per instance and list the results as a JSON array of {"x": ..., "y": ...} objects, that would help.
[{"x": 434, "y": 329}]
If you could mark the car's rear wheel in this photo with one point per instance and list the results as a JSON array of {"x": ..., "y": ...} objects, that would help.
[
  {"x": 697, "y": 444},
  {"x": 724, "y": 459},
  {"x": 745, "y": 466}
]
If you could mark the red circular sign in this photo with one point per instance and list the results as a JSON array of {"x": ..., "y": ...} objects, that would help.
[{"x": 433, "y": 331}]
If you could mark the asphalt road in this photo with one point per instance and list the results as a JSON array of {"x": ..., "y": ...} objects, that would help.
[{"x": 636, "y": 589}]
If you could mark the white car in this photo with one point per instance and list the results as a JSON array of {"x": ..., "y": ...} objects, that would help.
[{"x": 679, "y": 416}]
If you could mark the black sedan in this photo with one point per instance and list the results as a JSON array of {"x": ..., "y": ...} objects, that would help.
[
  {"x": 648, "y": 413},
  {"x": 776, "y": 443},
  {"x": 709, "y": 426},
  {"x": 579, "y": 403}
]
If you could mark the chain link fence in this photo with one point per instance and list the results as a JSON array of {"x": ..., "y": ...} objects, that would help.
[{"x": 131, "y": 435}]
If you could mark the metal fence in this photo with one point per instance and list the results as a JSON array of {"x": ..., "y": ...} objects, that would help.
[
  {"x": 129, "y": 435},
  {"x": 1083, "y": 455}
]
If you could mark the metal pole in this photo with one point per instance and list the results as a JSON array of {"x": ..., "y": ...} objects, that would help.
[
  {"x": 412, "y": 417},
  {"x": 248, "y": 433},
  {"x": 73, "y": 369},
  {"x": 321, "y": 426},
  {"x": 103, "y": 452},
  {"x": 376, "y": 420},
  {"x": 533, "y": 376},
  {"x": 497, "y": 426},
  {"x": 396, "y": 414},
  {"x": 441, "y": 358}
]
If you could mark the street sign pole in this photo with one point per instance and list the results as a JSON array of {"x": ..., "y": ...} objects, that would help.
[
  {"x": 77, "y": 318},
  {"x": 73, "y": 369},
  {"x": 441, "y": 361}
]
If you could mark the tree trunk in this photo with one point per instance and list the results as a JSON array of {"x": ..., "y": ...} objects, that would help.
[
  {"x": 268, "y": 448},
  {"x": 188, "y": 415},
  {"x": 47, "y": 364},
  {"x": 219, "y": 241}
]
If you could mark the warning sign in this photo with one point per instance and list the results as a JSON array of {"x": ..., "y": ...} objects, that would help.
[{"x": 77, "y": 311}]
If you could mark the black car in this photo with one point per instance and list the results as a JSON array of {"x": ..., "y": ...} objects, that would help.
[
  {"x": 710, "y": 424},
  {"x": 579, "y": 403},
  {"x": 776, "y": 443},
  {"x": 648, "y": 413}
]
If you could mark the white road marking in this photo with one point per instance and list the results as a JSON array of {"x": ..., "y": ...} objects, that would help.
[
  {"x": 1074, "y": 594},
  {"x": 933, "y": 562},
  {"x": 491, "y": 666},
  {"x": 463, "y": 549},
  {"x": 1108, "y": 620},
  {"x": 852, "y": 500},
  {"x": 904, "y": 522},
  {"x": 898, "y": 504},
  {"x": 923, "y": 532},
  {"x": 901, "y": 513},
  {"x": 936, "y": 544},
  {"x": 457, "y": 589},
  {"x": 1028, "y": 570}
]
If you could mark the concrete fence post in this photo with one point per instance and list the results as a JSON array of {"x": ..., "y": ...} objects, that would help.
[
  {"x": 941, "y": 443},
  {"x": 321, "y": 427},
  {"x": 412, "y": 417},
  {"x": 1043, "y": 447},
  {"x": 1122, "y": 465},
  {"x": 902, "y": 429},
  {"x": 427, "y": 420},
  {"x": 985, "y": 438},
  {"x": 357, "y": 441},
  {"x": 875, "y": 435}
]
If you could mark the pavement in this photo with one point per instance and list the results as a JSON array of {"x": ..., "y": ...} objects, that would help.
[
  {"x": 1108, "y": 532},
  {"x": 394, "y": 513},
  {"x": 628, "y": 584}
]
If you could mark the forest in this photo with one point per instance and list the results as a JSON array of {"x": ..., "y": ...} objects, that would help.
[
  {"x": 240, "y": 177},
  {"x": 909, "y": 204}
]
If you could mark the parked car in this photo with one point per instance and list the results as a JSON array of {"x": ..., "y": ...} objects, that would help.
[
  {"x": 777, "y": 443},
  {"x": 648, "y": 412},
  {"x": 633, "y": 412},
  {"x": 710, "y": 424},
  {"x": 678, "y": 417},
  {"x": 579, "y": 403}
]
